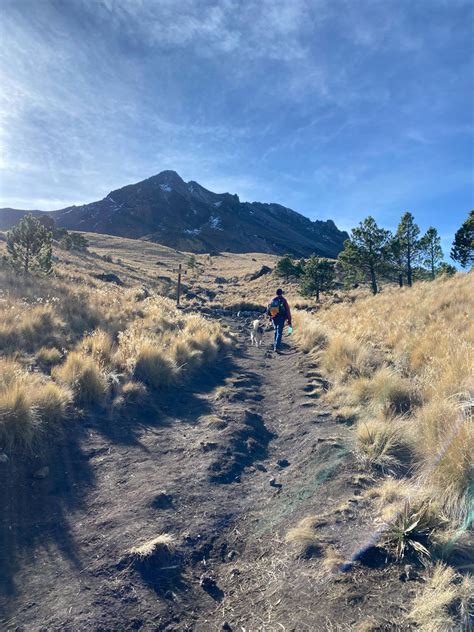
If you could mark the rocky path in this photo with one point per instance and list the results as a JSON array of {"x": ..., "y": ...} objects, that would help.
[{"x": 227, "y": 469}]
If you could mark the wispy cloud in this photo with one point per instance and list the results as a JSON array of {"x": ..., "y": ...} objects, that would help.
[{"x": 333, "y": 107}]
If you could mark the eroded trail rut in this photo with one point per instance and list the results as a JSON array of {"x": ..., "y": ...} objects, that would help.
[{"x": 226, "y": 469}]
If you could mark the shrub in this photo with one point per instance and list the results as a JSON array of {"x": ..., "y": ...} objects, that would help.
[{"x": 84, "y": 376}]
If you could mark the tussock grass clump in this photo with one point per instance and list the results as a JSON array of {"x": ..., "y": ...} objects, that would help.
[
  {"x": 387, "y": 391},
  {"x": 100, "y": 346},
  {"x": 346, "y": 358},
  {"x": 27, "y": 328},
  {"x": 311, "y": 334},
  {"x": 84, "y": 376},
  {"x": 304, "y": 539},
  {"x": 377, "y": 442},
  {"x": 445, "y": 602},
  {"x": 48, "y": 356},
  {"x": 29, "y": 406},
  {"x": 154, "y": 368}
]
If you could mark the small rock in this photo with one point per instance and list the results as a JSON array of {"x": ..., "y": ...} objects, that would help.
[
  {"x": 260, "y": 467},
  {"x": 226, "y": 627},
  {"x": 283, "y": 463},
  {"x": 273, "y": 483},
  {"x": 231, "y": 555},
  {"x": 43, "y": 472},
  {"x": 3, "y": 458}
]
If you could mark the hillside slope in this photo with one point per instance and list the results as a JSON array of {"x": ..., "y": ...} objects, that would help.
[{"x": 187, "y": 216}]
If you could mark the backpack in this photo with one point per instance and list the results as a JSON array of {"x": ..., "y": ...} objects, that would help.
[{"x": 277, "y": 308}]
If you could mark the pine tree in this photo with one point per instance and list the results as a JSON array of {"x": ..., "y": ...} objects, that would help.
[
  {"x": 285, "y": 267},
  {"x": 366, "y": 253},
  {"x": 318, "y": 277},
  {"x": 463, "y": 244},
  {"x": 431, "y": 251},
  {"x": 408, "y": 236},
  {"x": 395, "y": 260},
  {"x": 29, "y": 246}
]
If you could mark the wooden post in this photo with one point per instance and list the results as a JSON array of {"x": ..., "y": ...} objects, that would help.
[{"x": 178, "y": 295}]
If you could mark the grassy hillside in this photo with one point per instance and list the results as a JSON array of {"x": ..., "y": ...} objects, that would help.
[
  {"x": 73, "y": 342},
  {"x": 401, "y": 367},
  {"x": 401, "y": 371}
]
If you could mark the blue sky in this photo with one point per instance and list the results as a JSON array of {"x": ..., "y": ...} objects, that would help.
[{"x": 336, "y": 108}]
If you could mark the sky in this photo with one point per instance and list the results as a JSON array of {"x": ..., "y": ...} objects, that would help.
[{"x": 335, "y": 108}]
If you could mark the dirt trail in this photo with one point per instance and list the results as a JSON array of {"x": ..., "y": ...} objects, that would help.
[{"x": 227, "y": 468}]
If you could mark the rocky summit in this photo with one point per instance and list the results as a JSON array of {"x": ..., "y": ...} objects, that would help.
[{"x": 186, "y": 216}]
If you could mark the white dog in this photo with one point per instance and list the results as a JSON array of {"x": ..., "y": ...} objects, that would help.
[{"x": 256, "y": 333}]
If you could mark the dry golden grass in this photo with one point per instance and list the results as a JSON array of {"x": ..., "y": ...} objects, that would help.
[
  {"x": 48, "y": 356},
  {"x": 95, "y": 338},
  {"x": 377, "y": 442},
  {"x": 84, "y": 376},
  {"x": 29, "y": 405},
  {"x": 443, "y": 596},
  {"x": 304, "y": 538},
  {"x": 162, "y": 542},
  {"x": 408, "y": 352}
]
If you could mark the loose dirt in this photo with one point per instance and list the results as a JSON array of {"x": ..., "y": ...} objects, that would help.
[{"x": 227, "y": 468}]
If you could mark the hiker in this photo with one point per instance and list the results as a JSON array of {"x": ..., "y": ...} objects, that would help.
[{"x": 279, "y": 312}]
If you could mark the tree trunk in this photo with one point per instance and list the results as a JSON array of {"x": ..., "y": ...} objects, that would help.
[
  {"x": 400, "y": 279},
  {"x": 373, "y": 280},
  {"x": 409, "y": 271},
  {"x": 317, "y": 294}
]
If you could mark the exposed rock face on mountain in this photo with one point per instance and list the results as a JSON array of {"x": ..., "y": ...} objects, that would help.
[{"x": 186, "y": 216}]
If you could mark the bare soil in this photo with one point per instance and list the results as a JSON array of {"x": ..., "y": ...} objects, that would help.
[{"x": 227, "y": 466}]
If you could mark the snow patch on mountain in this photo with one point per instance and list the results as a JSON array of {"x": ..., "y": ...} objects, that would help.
[
  {"x": 166, "y": 188},
  {"x": 192, "y": 231},
  {"x": 215, "y": 222}
]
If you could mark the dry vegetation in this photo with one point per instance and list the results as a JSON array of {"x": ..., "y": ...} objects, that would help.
[
  {"x": 72, "y": 340},
  {"x": 401, "y": 368},
  {"x": 402, "y": 364}
]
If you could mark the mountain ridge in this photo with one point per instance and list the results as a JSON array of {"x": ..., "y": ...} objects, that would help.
[{"x": 185, "y": 215}]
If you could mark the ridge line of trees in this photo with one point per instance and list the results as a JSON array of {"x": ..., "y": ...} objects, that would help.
[{"x": 373, "y": 253}]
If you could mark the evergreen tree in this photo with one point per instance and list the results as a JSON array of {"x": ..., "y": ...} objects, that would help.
[
  {"x": 447, "y": 269},
  {"x": 29, "y": 246},
  {"x": 395, "y": 260},
  {"x": 318, "y": 277},
  {"x": 408, "y": 236},
  {"x": 366, "y": 253},
  {"x": 285, "y": 267},
  {"x": 431, "y": 251},
  {"x": 463, "y": 244}
]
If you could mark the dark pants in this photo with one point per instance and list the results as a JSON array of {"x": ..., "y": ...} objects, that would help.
[{"x": 278, "y": 324}]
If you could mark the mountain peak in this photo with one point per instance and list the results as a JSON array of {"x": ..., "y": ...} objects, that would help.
[
  {"x": 187, "y": 216},
  {"x": 168, "y": 177}
]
